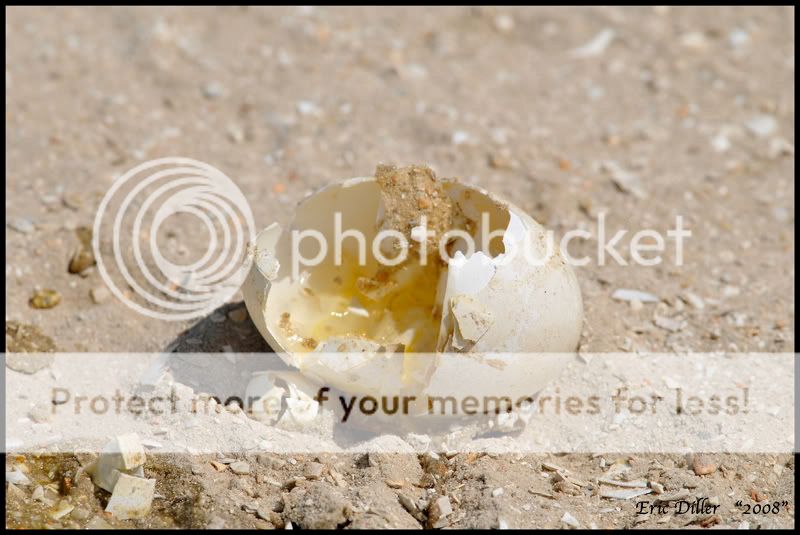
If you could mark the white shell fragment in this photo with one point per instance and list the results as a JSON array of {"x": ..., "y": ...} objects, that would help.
[
  {"x": 132, "y": 497},
  {"x": 625, "y": 494},
  {"x": 16, "y": 477},
  {"x": 762, "y": 125},
  {"x": 466, "y": 325},
  {"x": 268, "y": 265},
  {"x": 596, "y": 46},
  {"x": 472, "y": 321},
  {"x": 300, "y": 406},
  {"x": 63, "y": 509},
  {"x": 626, "y": 181},
  {"x": 623, "y": 294},
  {"x": 265, "y": 397},
  {"x": 122, "y": 455}
]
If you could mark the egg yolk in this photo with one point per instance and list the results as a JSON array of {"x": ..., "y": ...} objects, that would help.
[{"x": 387, "y": 305}]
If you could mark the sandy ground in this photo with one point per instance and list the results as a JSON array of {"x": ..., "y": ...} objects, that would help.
[{"x": 696, "y": 103}]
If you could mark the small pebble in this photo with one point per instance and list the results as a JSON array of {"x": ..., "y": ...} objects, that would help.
[
  {"x": 570, "y": 520},
  {"x": 80, "y": 514},
  {"x": 721, "y": 143},
  {"x": 64, "y": 508},
  {"x": 730, "y": 291},
  {"x": 21, "y": 224},
  {"x": 72, "y": 200},
  {"x": 235, "y": 134},
  {"x": 550, "y": 467},
  {"x": 313, "y": 470},
  {"x": 49, "y": 200},
  {"x": 240, "y": 468},
  {"x": 409, "y": 505},
  {"x": 624, "y": 180},
  {"x": 438, "y": 511},
  {"x": 98, "y": 523},
  {"x": 17, "y": 478},
  {"x": 669, "y": 324},
  {"x": 596, "y": 46},
  {"x": 738, "y": 38},
  {"x": 306, "y": 107},
  {"x": 45, "y": 299},
  {"x": 238, "y": 315},
  {"x": 499, "y": 161},
  {"x": 703, "y": 465},
  {"x": 14, "y": 493},
  {"x": 39, "y": 414},
  {"x": 132, "y": 497},
  {"x": 779, "y": 147},
  {"x": 694, "y": 40},
  {"x": 38, "y": 493},
  {"x": 459, "y": 137},
  {"x": 99, "y": 294},
  {"x": 504, "y": 23},
  {"x": 624, "y": 294},
  {"x": 761, "y": 125},
  {"x": 213, "y": 90},
  {"x": 80, "y": 261},
  {"x": 219, "y": 467},
  {"x": 693, "y": 300}
]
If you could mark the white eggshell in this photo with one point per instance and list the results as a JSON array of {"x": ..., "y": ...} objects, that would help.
[
  {"x": 264, "y": 397},
  {"x": 124, "y": 454},
  {"x": 502, "y": 309}
]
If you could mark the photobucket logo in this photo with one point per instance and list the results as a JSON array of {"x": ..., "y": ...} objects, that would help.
[
  {"x": 646, "y": 247},
  {"x": 136, "y": 208}
]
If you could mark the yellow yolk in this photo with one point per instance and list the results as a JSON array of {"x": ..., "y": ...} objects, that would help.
[{"x": 403, "y": 308}]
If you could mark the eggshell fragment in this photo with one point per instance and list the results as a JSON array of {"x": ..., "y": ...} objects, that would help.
[
  {"x": 472, "y": 321},
  {"x": 132, "y": 497},
  {"x": 124, "y": 454},
  {"x": 264, "y": 397}
]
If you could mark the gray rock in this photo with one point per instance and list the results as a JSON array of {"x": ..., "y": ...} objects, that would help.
[
  {"x": 317, "y": 506},
  {"x": 240, "y": 468},
  {"x": 313, "y": 470}
]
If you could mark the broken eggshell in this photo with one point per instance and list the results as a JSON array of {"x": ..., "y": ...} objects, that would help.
[
  {"x": 495, "y": 310},
  {"x": 271, "y": 393},
  {"x": 124, "y": 454}
]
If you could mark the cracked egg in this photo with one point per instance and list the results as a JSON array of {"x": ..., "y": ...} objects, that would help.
[{"x": 458, "y": 314}]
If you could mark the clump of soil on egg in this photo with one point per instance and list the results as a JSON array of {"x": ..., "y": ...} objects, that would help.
[{"x": 412, "y": 193}]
